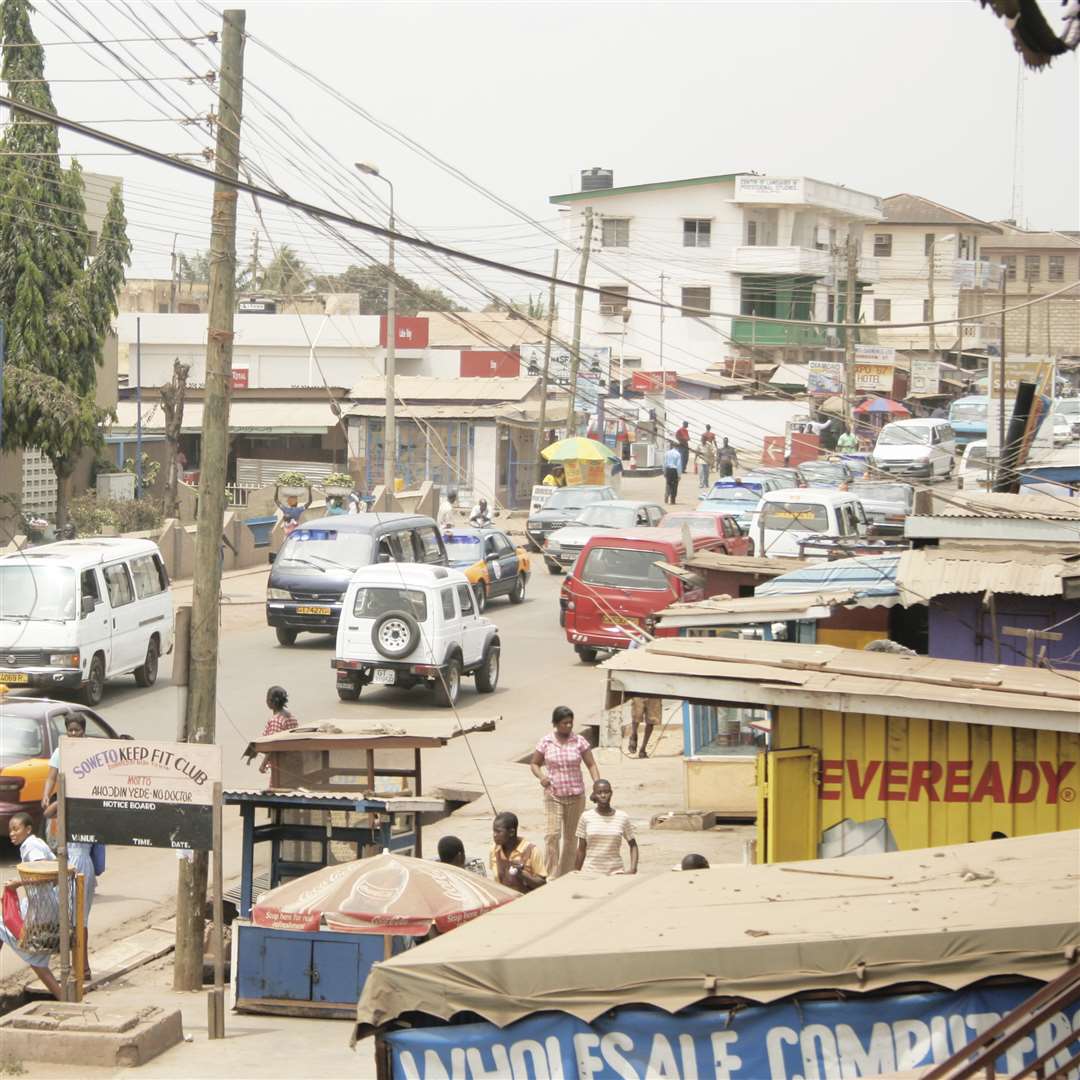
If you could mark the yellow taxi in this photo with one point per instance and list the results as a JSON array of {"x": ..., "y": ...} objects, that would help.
[{"x": 491, "y": 562}]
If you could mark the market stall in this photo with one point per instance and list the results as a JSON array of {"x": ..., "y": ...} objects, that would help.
[
  {"x": 584, "y": 461},
  {"x": 738, "y": 972}
]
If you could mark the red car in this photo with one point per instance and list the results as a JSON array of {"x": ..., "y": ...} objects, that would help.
[
  {"x": 711, "y": 523},
  {"x": 618, "y": 584}
]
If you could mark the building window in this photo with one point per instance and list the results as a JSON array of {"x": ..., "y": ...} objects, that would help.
[
  {"x": 696, "y": 232},
  {"x": 696, "y": 300},
  {"x": 882, "y": 245},
  {"x": 882, "y": 311},
  {"x": 615, "y": 232},
  {"x": 613, "y": 298},
  {"x": 1055, "y": 268},
  {"x": 751, "y": 234},
  {"x": 1010, "y": 267},
  {"x": 966, "y": 247},
  {"x": 1032, "y": 267},
  {"x": 928, "y": 243},
  {"x": 928, "y": 310}
]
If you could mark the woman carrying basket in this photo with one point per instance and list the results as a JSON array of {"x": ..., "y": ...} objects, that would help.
[{"x": 31, "y": 849}]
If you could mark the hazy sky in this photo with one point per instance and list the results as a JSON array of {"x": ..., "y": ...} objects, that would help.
[{"x": 884, "y": 97}]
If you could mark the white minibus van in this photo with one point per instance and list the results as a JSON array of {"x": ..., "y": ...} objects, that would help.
[
  {"x": 78, "y": 612},
  {"x": 785, "y": 518}
]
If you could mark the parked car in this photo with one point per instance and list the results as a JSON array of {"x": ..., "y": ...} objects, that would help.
[
  {"x": 312, "y": 570},
  {"x": 974, "y": 467},
  {"x": 562, "y": 507},
  {"x": 784, "y": 519},
  {"x": 886, "y": 504},
  {"x": 491, "y": 562},
  {"x": 968, "y": 418},
  {"x": 711, "y": 523},
  {"x": 78, "y": 612},
  {"x": 618, "y": 584},
  {"x": 30, "y": 730},
  {"x": 563, "y": 546},
  {"x": 737, "y": 497},
  {"x": 408, "y": 624},
  {"x": 923, "y": 447},
  {"x": 788, "y": 477},
  {"x": 1069, "y": 409},
  {"x": 825, "y": 474}
]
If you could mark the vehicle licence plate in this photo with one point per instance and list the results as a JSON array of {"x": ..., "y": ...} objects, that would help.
[
  {"x": 618, "y": 620},
  {"x": 14, "y": 677},
  {"x": 384, "y": 676},
  {"x": 313, "y": 611}
]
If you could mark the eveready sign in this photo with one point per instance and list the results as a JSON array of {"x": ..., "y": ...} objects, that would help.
[{"x": 950, "y": 781}]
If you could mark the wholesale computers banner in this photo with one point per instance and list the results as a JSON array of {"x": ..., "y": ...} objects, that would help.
[{"x": 786, "y": 1040}]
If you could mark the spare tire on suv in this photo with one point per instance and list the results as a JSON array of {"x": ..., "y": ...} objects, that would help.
[{"x": 395, "y": 634}]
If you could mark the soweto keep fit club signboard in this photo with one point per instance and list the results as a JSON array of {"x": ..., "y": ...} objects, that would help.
[{"x": 141, "y": 794}]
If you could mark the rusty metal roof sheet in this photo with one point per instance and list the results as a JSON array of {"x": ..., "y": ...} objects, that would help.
[
  {"x": 746, "y": 564},
  {"x": 928, "y": 572}
]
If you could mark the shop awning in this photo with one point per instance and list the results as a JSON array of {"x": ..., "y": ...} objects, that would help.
[{"x": 584, "y": 945}]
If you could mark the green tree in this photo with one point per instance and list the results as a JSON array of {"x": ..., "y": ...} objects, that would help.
[
  {"x": 369, "y": 282},
  {"x": 56, "y": 299},
  {"x": 531, "y": 307},
  {"x": 287, "y": 274},
  {"x": 195, "y": 267}
]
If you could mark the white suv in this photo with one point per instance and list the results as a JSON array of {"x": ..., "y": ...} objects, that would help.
[{"x": 408, "y": 623}]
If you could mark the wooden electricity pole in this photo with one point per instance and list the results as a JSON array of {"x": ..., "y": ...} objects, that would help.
[
  {"x": 579, "y": 297},
  {"x": 202, "y": 689},
  {"x": 547, "y": 361},
  {"x": 849, "y": 333}
]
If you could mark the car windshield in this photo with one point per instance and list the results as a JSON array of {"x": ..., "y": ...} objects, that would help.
[
  {"x": 968, "y": 412},
  {"x": 624, "y": 568},
  {"x": 571, "y": 499},
  {"x": 323, "y": 549},
  {"x": 370, "y": 603},
  {"x": 734, "y": 494},
  {"x": 699, "y": 526},
  {"x": 605, "y": 516},
  {"x": 976, "y": 453},
  {"x": 20, "y": 737},
  {"x": 795, "y": 516},
  {"x": 463, "y": 549},
  {"x": 30, "y": 590},
  {"x": 890, "y": 493},
  {"x": 893, "y": 435}
]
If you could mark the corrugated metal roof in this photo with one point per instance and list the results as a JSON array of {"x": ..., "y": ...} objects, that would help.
[
  {"x": 906, "y": 209},
  {"x": 746, "y": 564},
  {"x": 928, "y": 572},
  {"x": 1018, "y": 238},
  {"x": 429, "y": 388},
  {"x": 312, "y": 417},
  {"x": 778, "y": 607},
  {"x": 1040, "y": 507},
  {"x": 827, "y": 677}
]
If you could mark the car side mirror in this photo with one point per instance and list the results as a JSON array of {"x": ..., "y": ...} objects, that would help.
[
  {"x": 88, "y": 604},
  {"x": 384, "y": 556},
  {"x": 271, "y": 557}
]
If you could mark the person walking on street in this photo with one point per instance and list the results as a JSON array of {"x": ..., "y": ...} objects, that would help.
[
  {"x": 682, "y": 438},
  {"x": 647, "y": 710},
  {"x": 600, "y": 834},
  {"x": 706, "y": 455},
  {"x": 514, "y": 862},
  {"x": 727, "y": 461},
  {"x": 847, "y": 443},
  {"x": 672, "y": 471},
  {"x": 556, "y": 763}
]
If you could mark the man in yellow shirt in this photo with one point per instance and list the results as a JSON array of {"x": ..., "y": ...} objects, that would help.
[{"x": 514, "y": 862}]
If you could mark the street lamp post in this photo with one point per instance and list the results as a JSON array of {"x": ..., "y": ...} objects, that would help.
[{"x": 390, "y": 427}]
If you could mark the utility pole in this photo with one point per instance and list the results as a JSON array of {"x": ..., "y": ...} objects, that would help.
[
  {"x": 202, "y": 690},
  {"x": 254, "y": 260},
  {"x": 579, "y": 298},
  {"x": 930, "y": 300},
  {"x": 663, "y": 379},
  {"x": 1027, "y": 334},
  {"x": 547, "y": 361},
  {"x": 849, "y": 333},
  {"x": 1001, "y": 374},
  {"x": 174, "y": 270}
]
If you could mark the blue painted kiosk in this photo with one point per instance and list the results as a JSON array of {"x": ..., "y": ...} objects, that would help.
[{"x": 339, "y": 790}]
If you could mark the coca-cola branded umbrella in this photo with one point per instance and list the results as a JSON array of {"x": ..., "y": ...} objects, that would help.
[{"x": 385, "y": 894}]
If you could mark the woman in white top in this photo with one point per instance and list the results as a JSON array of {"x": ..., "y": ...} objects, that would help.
[
  {"x": 31, "y": 849},
  {"x": 600, "y": 834}
]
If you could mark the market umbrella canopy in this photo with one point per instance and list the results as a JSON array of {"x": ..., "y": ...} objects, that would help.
[
  {"x": 578, "y": 449},
  {"x": 883, "y": 405},
  {"x": 385, "y": 894}
]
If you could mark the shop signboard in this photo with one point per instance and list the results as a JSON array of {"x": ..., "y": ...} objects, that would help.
[
  {"x": 925, "y": 376},
  {"x": 824, "y": 378},
  {"x": 651, "y": 382},
  {"x": 875, "y": 354},
  {"x": 594, "y": 370},
  {"x": 410, "y": 332},
  {"x": 140, "y": 794},
  {"x": 783, "y": 1040},
  {"x": 873, "y": 377}
]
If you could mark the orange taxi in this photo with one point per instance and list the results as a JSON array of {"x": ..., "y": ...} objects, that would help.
[{"x": 491, "y": 562}]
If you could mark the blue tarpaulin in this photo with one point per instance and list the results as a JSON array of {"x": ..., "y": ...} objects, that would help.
[{"x": 784, "y": 1040}]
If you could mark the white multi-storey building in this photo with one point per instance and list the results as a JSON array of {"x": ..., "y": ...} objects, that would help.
[{"x": 738, "y": 244}]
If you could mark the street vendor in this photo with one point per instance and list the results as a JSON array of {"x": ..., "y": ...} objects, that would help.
[{"x": 514, "y": 862}]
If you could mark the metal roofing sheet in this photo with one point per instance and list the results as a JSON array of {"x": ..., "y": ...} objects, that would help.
[
  {"x": 777, "y": 607},
  {"x": 1009, "y": 908},
  {"x": 1039, "y": 507},
  {"x": 746, "y": 564},
  {"x": 928, "y": 572}
]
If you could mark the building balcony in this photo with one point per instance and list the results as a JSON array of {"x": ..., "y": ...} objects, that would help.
[
  {"x": 751, "y": 332},
  {"x": 801, "y": 261}
]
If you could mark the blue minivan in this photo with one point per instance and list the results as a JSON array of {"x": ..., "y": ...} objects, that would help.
[
  {"x": 311, "y": 572},
  {"x": 967, "y": 417}
]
